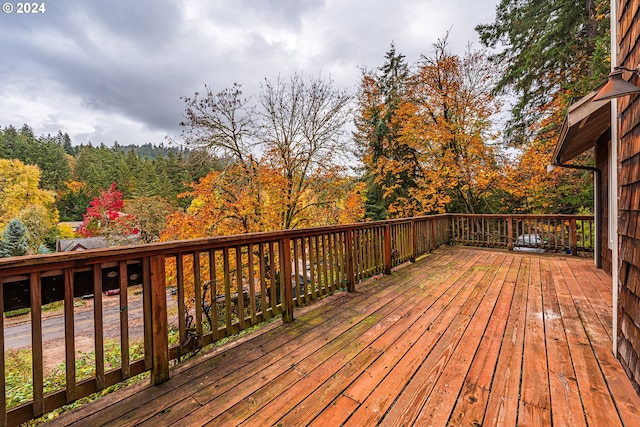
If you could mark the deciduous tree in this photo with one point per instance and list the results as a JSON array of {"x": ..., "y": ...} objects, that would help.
[
  {"x": 19, "y": 189},
  {"x": 148, "y": 215},
  {"x": 105, "y": 217},
  {"x": 280, "y": 168},
  {"x": 451, "y": 128}
]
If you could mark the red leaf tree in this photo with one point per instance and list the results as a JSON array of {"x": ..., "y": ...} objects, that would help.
[{"x": 104, "y": 216}]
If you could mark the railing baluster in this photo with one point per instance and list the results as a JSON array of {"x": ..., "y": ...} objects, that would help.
[
  {"x": 182, "y": 310},
  {"x": 36, "y": 344},
  {"x": 351, "y": 286},
  {"x": 227, "y": 289},
  {"x": 509, "y": 233},
  {"x": 124, "y": 319},
  {"x": 573, "y": 237},
  {"x": 147, "y": 309},
  {"x": 305, "y": 276},
  {"x": 69, "y": 336},
  {"x": 356, "y": 256},
  {"x": 312, "y": 270},
  {"x": 379, "y": 250},
  {"x": 272, "y": 276},
  {"x": 333, "y": 285},
  {"x": 285, "y": 279},
  {"x": 213, "y": 292},
  {"x": 239, "y": 287},
  {"x": 266, "y": 314},
  {"x": 325, "y": 271},
  {"x": 251, "y": 284},
  {"x": 197, "y": 296},
  {"x": 341, "y": 260},
  {"x": 413, "y": 240},
  {"x": 296, "y": 274},
  {"x": 319, "y": 260},
  {"x": 98, "y": 326},
  {"x": 387, "y": 249}
]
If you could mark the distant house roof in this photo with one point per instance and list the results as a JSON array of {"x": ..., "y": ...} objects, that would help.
[
  {"x": 586, "y": 121},
  {"x": 80, "y": 244},
  {"x": 74, "y": 225}
]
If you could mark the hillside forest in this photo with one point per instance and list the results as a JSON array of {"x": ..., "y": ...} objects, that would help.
[{"x": 467, "y": 133}]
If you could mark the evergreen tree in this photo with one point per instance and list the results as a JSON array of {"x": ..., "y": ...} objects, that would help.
[
  {"x": 14, "y": 239},
  {"x": 66, "y": 144},
  {"x": 378, "y": 136},
  {"x": 45, "y": 152},
  {"x": 548, "y": 47},
  {"x": 73, "y": 203},
  {"x": 11, "y": 146}
]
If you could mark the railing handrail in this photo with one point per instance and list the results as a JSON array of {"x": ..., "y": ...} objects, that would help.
[
  {"x": 94, "y": 256},
  {"x": 523, "y": 216}
]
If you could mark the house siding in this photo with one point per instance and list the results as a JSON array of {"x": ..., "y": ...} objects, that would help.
[{"x": 628, "y": 332}]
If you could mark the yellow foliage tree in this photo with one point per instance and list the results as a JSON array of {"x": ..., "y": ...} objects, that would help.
[
  {"x": 19, "y": 190},
  {"x": 531, "y": 188}
]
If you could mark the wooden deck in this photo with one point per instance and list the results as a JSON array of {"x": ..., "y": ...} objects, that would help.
[{"x": 463, "y": 337}]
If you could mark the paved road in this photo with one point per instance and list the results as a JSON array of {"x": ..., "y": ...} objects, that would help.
[{"x": 19, "y": 335}]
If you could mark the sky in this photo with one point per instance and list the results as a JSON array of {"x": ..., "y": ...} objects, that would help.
[{"x": 106, "y": 71}]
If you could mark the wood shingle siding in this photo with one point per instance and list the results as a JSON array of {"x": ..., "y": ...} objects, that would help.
[{"x": 629, "y": 201}]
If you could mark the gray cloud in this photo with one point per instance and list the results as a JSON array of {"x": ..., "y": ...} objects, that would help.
[{"x": 114, "y": 70}]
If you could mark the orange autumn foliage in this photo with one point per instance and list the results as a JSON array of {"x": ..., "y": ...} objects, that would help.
[
  {"x": 238, "y": 200},
  {"x": 439, "y": 153}
]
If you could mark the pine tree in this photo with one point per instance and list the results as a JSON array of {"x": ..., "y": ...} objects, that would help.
[
  {"x": 14, "y": 239},
  {"x": 378, "y": 124},
  {"x": 547, "y": 47}
]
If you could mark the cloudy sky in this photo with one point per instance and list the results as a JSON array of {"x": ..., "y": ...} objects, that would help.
[{"x": 106, "y": 71}]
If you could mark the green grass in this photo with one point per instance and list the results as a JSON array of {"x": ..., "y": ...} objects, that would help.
[
  {"x": 19, "y": 385},
  {"x": 52, "y": 306},
  {"x": 16, "y": 313}
]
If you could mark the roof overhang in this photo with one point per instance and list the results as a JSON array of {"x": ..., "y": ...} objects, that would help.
[{"x": 586, "y": 121}]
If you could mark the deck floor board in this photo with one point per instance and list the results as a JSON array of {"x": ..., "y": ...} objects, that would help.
[{"x": 461, "y": 337}]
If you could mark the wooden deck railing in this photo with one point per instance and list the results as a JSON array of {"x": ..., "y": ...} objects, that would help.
[
  {"x": 556, "y": 233},
  {"x": 222, "y": 285},
  {"x": 199, "y": 291}
]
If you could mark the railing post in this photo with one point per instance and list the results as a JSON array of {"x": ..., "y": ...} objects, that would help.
[
  {"x": 286, "y": 283},
  {"x": 351, "y": 282},
  {"x": 35, "y": 289},
  {"x": 159, "y": 337},
  {"x": 573, "y": 237},
  {"x": 147, "y": 310},
  {"x": 509, "y": 221},
  {"x": 3, "y": 398},
  {"x": 387, "y": 249}
]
